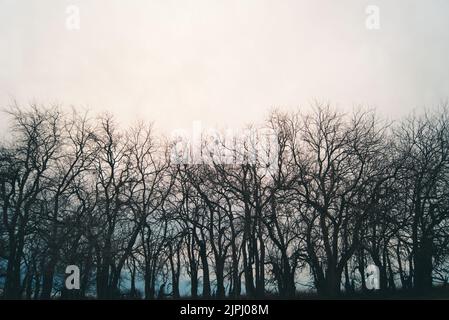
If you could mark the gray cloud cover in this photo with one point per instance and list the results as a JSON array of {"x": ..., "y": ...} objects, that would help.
[{"x": 223, "y": 62}]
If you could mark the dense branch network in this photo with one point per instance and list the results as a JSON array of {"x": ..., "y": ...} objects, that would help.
[{"x": 329, "y": 196}]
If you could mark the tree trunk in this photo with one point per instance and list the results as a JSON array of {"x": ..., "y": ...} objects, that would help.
[
  {"x": 423, "y": 266},
  {"x": 206, "y": 281}
]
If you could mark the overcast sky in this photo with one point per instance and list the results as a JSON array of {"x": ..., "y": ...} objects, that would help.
[{"x": 223, "y": 62}]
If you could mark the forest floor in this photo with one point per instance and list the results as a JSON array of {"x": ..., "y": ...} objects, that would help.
[{"x": 435, "y": 293}]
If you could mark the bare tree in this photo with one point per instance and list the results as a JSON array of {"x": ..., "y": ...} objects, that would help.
[{"x": 329, "y": 195}]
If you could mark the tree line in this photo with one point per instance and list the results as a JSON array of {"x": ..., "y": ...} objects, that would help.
[{"x": 330, "y": 195}]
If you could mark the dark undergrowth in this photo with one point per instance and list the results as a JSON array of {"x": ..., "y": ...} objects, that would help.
[{"x": 437, "y": 293}]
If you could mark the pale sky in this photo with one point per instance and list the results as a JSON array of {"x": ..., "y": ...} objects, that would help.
[{"x": 223, "y": 62}]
